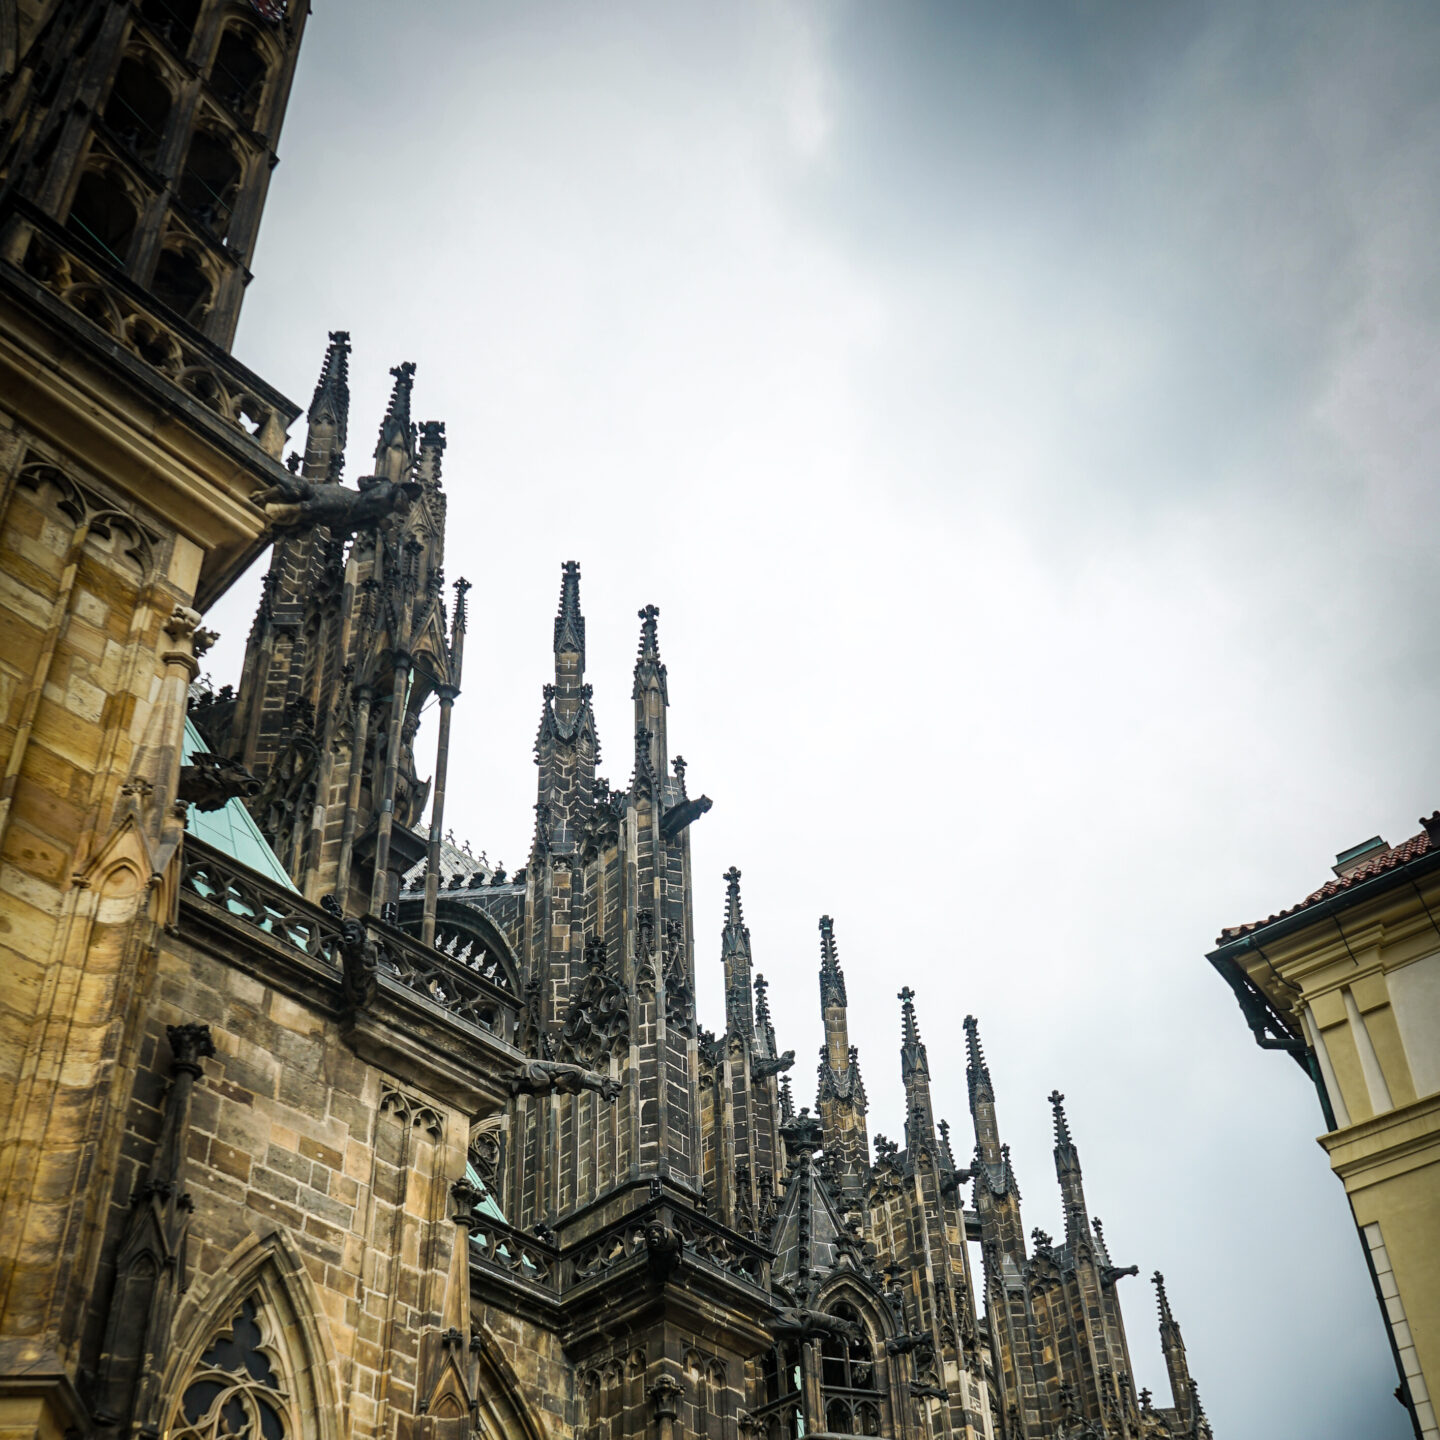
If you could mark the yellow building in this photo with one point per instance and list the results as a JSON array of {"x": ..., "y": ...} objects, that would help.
[{"x": 1348, "y": 982}]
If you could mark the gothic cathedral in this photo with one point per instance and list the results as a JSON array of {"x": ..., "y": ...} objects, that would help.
[{"x": 313, "y": 1125}]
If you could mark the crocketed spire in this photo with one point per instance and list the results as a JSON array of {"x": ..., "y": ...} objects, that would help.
[
  {"x": 832, "y": 978},
  {"x": 735, "y": 954},
  {"x": 396, "y": 429},
  {"x": 977, "y": 1072},
  {"x": 764, "y": 1028},
  {"x": 331, "y": 401},
  {"x": 569, "y": 622},
  {"x": 912, "y": 1048},
  {"x": 648, "y": 665}
]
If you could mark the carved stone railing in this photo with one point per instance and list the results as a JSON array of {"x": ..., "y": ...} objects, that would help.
[
  {"x": 502, "y": 1248},
  {"x": 47, "y": 254},
  {"x": 260, "y": 903},
  {"x": 450, "y": 983},
  {"x": 253, "y": 900},
  {"x": 663, "y": 1224}
]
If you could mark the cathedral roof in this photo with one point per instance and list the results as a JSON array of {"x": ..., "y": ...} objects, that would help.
[
  {"x": 1386, "y": 858},
  {"x": 458, "y": 863}
]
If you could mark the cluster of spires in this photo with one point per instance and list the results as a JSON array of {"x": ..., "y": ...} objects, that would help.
[{"x": 748, "y": 1013}]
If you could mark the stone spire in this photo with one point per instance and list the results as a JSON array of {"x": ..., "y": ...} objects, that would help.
[
  {"x": 329, "y": 415},
  {"x": 432, "y": 452},
  {"x": 764, "y": 1028},
  {"x": 1182, "y": 1387},
  {"x": 395, "y": 449},
  {"x": 735, "y": 954},
  {"x": 915, "y": 1069},
  {"x": 1067, "y": 1171},
  {"x": 841, "y": 1096},
  {"x": 982, "y": 1095},
  {"x": 569, "y": 629},
  {"x": 652, "y": 697}
]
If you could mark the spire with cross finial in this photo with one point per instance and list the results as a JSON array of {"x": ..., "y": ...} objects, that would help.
[
  {"x": 915, "y": 1071},
  {"x": 735, "y": 956},
  {"x": 395, "y": 448}
]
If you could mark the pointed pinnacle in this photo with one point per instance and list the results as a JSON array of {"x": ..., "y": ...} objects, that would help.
[
  {"x": 832, "y": 978},
  {"x": 332, "y": 390},
  {"x": 911, "y": 1031},
  {"x": 1158, "y": 1281},
  {"x": 1062, "y": 1126},
  {"x": 977, "y": 1072},
  {"x": 569, "y": 622},
  {"x": 649, "y": 639},
  {"x": 734, "y": 916},
  {"x": 396, "y": 424}
]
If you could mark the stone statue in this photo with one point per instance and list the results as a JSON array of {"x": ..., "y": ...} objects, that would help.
[
  {"x": 298, "y": 504},
  {"x": 360, "y": 961},
  {"x": 545, "y": 1077}
]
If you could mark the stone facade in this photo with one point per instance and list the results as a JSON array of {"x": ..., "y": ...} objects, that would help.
[{"x": 404, "y": 1146}]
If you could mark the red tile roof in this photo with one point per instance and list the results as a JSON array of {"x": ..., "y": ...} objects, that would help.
[{"x": 1425, "y": 843}]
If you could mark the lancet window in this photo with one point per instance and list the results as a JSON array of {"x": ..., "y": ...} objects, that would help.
[
  {"x": 848, "y": 1378},
  {"x": 780, "y": 1414}
]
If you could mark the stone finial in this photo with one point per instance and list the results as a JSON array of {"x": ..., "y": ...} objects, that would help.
[
  {"x": 832, "y": 978},
  {"x": 569, "y": 622}
]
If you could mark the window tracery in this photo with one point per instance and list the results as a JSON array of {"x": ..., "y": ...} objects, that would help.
[
  {"x": 235, "y": 1391},
  {"x": 848, "y": 1378}
]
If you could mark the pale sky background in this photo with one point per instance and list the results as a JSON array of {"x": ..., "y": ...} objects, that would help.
[{"x": 1024, "y": 417}]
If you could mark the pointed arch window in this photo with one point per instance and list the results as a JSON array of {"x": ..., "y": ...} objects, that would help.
[
  {"x": 235, "y": 1390},
  {"x": 138, "y": 107},
  {"x": 238, "y": 74},
  {"x": 848, "y": 1377}
]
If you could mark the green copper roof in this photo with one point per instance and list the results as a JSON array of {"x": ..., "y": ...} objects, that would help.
[{"x": 231, "y": 829}]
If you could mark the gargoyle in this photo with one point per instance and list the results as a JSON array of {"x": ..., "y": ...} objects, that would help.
[
  {"x": 797, "y": 1320},
  {"x": 209, "y": 781},
  {"x": 360, "y": 958},
  {"x": 298, "y": 504},
  {"x": 546, "y": 1077},
  {"x": 763, "y": 1069},
  {"x": 663, "y": 1247}
]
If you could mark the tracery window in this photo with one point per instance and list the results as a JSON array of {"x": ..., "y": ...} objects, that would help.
[
  {"x": 847, "y": 1376},
  {"x": 780, "y": 1414},
  {"x": 235, "y": 1392}
]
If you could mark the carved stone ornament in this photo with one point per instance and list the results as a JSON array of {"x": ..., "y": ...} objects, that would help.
[
  {"x": 360, "y": 958},
  {"x": 209, "y": 781},
  {"x": 297, "y": 504},
  {"x": 546, "y": 1077}
]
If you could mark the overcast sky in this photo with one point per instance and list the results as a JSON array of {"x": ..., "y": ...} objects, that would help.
[{"x": 1024, "y": 417}]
